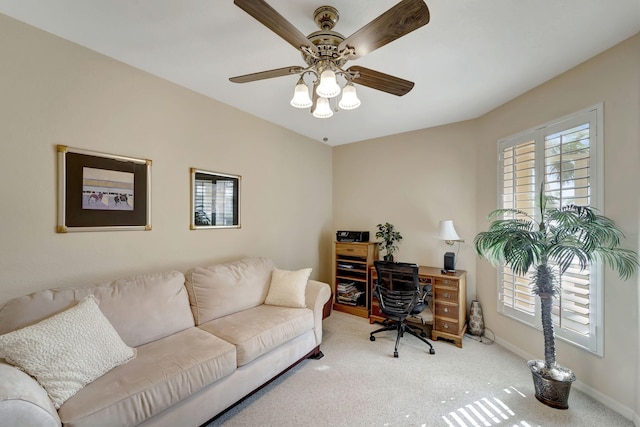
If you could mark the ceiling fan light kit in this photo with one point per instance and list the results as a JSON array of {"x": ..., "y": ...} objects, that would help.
[
  {"x": 326, "y": 52},
  {"x": 301, "y": 97},
  {"x": 323, "y": 109},
  {"x": 328, "y": 87},
  {"x": 349, "y": 99}
]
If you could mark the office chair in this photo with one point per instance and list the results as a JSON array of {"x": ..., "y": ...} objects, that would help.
[{"x": 398, "y": 291}]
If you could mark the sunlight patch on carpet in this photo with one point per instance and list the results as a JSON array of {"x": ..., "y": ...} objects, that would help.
[{"x": 486, "y": 411}]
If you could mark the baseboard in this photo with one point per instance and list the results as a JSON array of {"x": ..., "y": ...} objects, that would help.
[{"x": 610, "y": 403}]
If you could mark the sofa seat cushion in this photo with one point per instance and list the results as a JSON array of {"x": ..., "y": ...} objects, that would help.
[
  {"x": 164, "y": 372},
  {"x": 259, "y": 330}
]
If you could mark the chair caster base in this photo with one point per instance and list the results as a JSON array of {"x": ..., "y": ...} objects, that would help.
[
  {"x": 395, "y": 354},
  {"x": 372, "y": 338},
  {"x": 432, "y": 351}
]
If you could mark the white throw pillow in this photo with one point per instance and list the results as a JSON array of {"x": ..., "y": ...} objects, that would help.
[
  {"x": 68, "y": 350},
  {"x": 288, "y": 288}
]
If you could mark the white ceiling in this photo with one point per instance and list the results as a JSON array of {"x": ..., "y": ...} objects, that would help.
[{"x": 472, "y": 57}]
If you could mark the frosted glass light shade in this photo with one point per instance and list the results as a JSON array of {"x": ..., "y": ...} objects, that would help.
[
  {"x": 349, "y": 99},
  {"x": 328, "y": 87},
  {"x": 301, "y": 97},
  {"x": 447, "y": 232},
  {"x": 323, "y": 109}
]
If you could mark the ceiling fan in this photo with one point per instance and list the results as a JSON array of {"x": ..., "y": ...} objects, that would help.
[{"x": 326, "y": 52}]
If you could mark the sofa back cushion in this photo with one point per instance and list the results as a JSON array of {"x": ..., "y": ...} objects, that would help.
[
  {"x": 221, "y": 289},
  {"x": 140, "y": 308}
]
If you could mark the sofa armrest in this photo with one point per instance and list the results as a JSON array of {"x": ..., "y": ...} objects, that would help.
[
  {"x": 23, "y": 402},
  {"x": 316, "y": 296}
]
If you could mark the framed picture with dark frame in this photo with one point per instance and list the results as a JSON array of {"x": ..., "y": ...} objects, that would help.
[
  {"x": 215, "y": 200},
  {"x": 102, "y": 192}
]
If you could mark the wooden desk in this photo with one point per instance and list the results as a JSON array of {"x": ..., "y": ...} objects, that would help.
[{"x": 449, "y": 303}]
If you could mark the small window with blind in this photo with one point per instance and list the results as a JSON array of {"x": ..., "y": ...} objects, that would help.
[
  {"x": 215, "y": 200},
  {"x": 565, "y": 155}
]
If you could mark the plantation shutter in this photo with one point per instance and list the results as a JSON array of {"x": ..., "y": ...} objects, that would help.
[
  {"x": 564, "y": 155},
  {"x": 567, "y": 176},
  {"x": 518, "y": 192}
]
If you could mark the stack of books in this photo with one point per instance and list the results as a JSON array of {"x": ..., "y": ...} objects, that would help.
[{"x": 348, "y": 293}]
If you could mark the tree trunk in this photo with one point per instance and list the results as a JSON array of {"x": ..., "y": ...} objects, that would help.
[
  {"x": 545, "y": 291},
  {"x": 547, "y": 331}
]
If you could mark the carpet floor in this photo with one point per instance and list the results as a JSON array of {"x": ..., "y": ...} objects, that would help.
[{"x": 360, "y": 383}]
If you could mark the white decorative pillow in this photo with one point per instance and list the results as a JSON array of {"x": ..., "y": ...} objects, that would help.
[
  {"x": 288, "y": 287},
  {"x": 68, "y": 350}
]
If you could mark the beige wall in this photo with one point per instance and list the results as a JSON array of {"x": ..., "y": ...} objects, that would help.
[
  {"x": 611, "y": 78},
  {"x": 415, "y": 179},
  {"x": 54, "y": 92},
  {"x": 412, "y": 180}
]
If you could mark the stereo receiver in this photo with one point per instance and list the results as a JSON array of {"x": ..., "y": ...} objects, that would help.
[{"x": 352, "y": 236}]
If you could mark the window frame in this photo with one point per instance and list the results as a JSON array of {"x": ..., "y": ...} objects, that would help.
[{"x": 593, "y": 343}]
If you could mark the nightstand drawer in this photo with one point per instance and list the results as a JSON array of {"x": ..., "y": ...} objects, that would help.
[
  {"x": 447, "y": 310},
  {"x": 351, "y": 249},
  {"x": 446, "y": 294},
  {"x": 446, "y": 325}
]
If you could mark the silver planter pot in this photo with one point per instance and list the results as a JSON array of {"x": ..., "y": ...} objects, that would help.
[{"x": 550, "y": 391}]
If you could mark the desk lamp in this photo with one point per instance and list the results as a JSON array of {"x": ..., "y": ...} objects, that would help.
[{"x": 447, "y": 233}]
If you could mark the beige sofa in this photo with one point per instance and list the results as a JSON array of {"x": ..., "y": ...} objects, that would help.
[{"x": 204, "y": 340}]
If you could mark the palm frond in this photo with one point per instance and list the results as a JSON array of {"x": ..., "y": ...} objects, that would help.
[
  {"x": 513, "y": 242},
  {"x": 624, "y": 261},
  {"x": 566, "y": 235},
  {"x": 515, "y": 213},
  {"x": 567, "y": 253}
]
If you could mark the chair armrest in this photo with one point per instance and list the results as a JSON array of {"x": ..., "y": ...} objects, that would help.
[
  {"x": 23, "y": 402},
  {"x": 316, "y": 296}
]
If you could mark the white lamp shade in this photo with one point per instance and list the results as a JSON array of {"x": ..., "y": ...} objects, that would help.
[
  {"x": 349, "y": 99},
  {"x": 328, "y": 87},
  {"x": 446, "y": 231},
  {"x": 323, "y": 109},
  {"x": 301, "y": 97}
]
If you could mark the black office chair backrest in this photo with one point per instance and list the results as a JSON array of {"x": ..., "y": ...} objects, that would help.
[{"x": 398, "y": 289}]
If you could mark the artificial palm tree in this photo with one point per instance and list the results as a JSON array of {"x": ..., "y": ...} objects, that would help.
[{"x": 547, "y": 247}]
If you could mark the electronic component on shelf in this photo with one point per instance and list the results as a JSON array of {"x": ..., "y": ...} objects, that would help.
[{"x": 352, "y": 236}]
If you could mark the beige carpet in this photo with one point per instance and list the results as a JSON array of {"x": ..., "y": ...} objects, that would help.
[{"x": 359, "y": 383}]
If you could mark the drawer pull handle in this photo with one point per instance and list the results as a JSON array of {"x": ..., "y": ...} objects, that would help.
[
  {"x": 446, "y": 310},
  {"x": 447, "y": 282},
  {"x": 446, "y": 326},
  {"x": 446, "y": 295}
]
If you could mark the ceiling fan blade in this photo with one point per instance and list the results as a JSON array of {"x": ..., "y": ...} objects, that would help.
[
  {"x": 381, "y": 81},
  {"x": 404, "y": 17},
  {"x": 271, "y": 19},
  {"x": 261, "y": 75}
]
